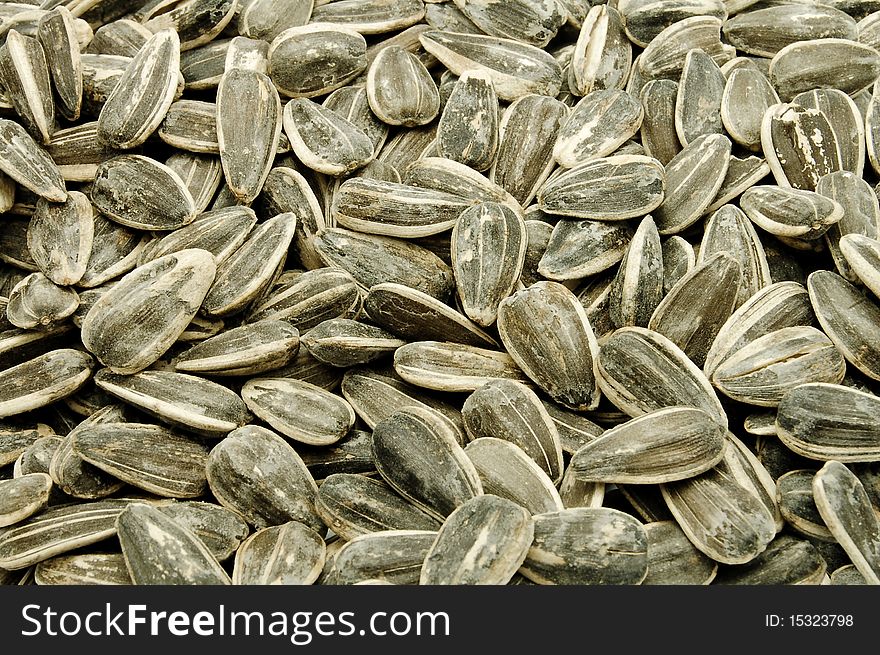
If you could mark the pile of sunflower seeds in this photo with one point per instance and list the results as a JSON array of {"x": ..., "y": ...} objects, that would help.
[{"x": 439, "y": 292}]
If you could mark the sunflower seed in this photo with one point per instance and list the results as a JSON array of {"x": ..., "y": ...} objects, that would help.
[
  {"x": 400, "y": 89},
  {"x": 390, "y": 557},
  {"x": 764, "y": 32},
  {"x": 468, "y": 128},
  {"x": 26, "y": 81},
  {"x": 578, "y": 249},
  {"x": 344, "y": 342},
  {"x": 158, "y": 550},
  {"x": 202, "y": 67},
  {"x": 196, "y": 21},
  {"x": 657, "y": 130},
  {"x": 800, "y": 145},
  {"x": 829, "y": 421},
  {"x": 599, "y": 123},
  {"x": 28, "y": 164},
  {"x": 516, "y": 69},
  {"x": 57, "y": 531},
  {"x": 833, "y": 62},
  {"x": 351, "y": 454},
  {"x": 846, "y": 122},
  {"x": 37, "y": 302},
  {"x": 22, "y": 497},
  {"x": 638, "y": 285},
  {"x": 191, "y": 125},
  {"x": 787, "y": 560},
  {"x": 262, "y": 19},
  {"x": 220, "y": 529},
  {"x": 290, "y": 554},
  {"x": 863, "y": 258},
  {"x": 846, "y": 509},
  {"x": 673, "y": 559},
  {"x": 255, "y": 472},
  {"x": 792, "y": 213},
  {"x": 587, "y": 546},
  {"x": 847, "y": 575},
  {"x": 123, "y": 37},
  {"x": 43, "y": 380},
  {"x": 37, "y": 457},
  {"x": 794, "y": 494},
  {"x": 57, "y": 34},
  {"x": 354, "y": 505},
  {"x": 699, "y": 98},
  {"x": 370, "y": 16},
  {"x": 664, "y": 56},
  {"x": 641, "y": 371},
  {"x": 602, "y": 55},
  {"x": 246, "y": 350},
  {"x": 83, "y": 569},
  {"x": 172, "y": 288}
]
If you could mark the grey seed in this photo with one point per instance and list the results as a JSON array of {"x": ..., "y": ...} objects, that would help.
[
  {"x": 143, "y": 94},
  {"x": 352, "y": 103},
  {"x": 323, "y": 140},
  {"x": 721, "y": 518},
  {"x": 151, "y": 306},
  {"x": 372, "y": 259},
  {"x": 587, "y": 546},
  {"x": 407, "y": 39},
  {"x": 191, "y": 125},
  {"x": 538, "y": 235},
  {"x": 371, "y": 16},
  {"x": 468, "y": 128},
  {"x": 664, "y": 56},
  {"x": 142, "y": 193},
  {"x": 846, "y": 122},
  {"x": 449, "y": 18},
  {"x": 344, "y": 342},
  {"x": 449, "y": 176},
  {"x": 702, "y": 164},
  {"x": 747, "y": 96},
  {"x": 535, "y": 23},
  {"x": 657, "y": 131},
  {"x": 599, "y": 123},
  {"x": 861, "y": 216},
  {"x": 312, "y": 60},
  {"x": 246, "y": 350},
  {"x": 764, "y": 32},
  {"x": 304, "y": 412},
  {"x": 37, "y": 302},
  {"x": 787, "y": 560},
  {"x": 800, "y": 145},
  {"x": 748, "y": 471},
  {"x": 576, "y": 493},
  {"x": 22, "y": 497},
  {"x": 833, "y": 62},
  {"x": 26, "y": 81},
  {"x": 575, "y": 430},
  {"x": 699, "y": 98},
  {"x": 37, "y": 456},
  {"x": 394, "y": 209},
  {"x": 670, "y": 444},
  {"x": 516, "y": 69},
  {"x": 611, "y": 189},
  {"x": 418, "y": 455},
  {"x": 694, "y": 310},
  {"x": 761, "y": 423},
  {"x": 351, "y": 454},
  {"x": 506, "y": 470},
  {"x": 416, "y": 316},
  {"x": 256, "y": 473},
  {"x": 509, "y": 410},
  {"x": 28, "y": 164},
  {"x": 641, "y": 371},
  {"x": 678, "y": 259},
  {"x": 407, "y": 146},
  {"x": 196, "y": 21},
  {"x": 115, "y": 251},
  {"x": 306, "y": 368},
  {"x": 546, "y": 331},
  {"x": 788, "y": 212},
  {"x": 578, "y": 249},
  {"x": 846, "y": 510},
  {"x": 764, "y": 370},
  {"x": 123, "y": 37},
  {"x": 673, "y": 559},
  {"x": 249, "y": 54},
  {"x": 146, "y": 456},
  {"x": 187, "y": 401},
  {"x": 201, "y": 174},
  {"x": 376, "y": 394},
  {"x": 314, "y": 297},
  {"x": 60, "y": 237},
  {"x": 829, "y": 421},
  {"x": 43, "y": 380},
  {"x": 289, "y": 554},
  {"x": 354, "y": 505},
  {"x": 483, "y": 542},
  {"x": 16, "y": 438},
  {"x": 202, "y": 67},
  {"x": 780, "y": 305},
  {"x": 160, "y": 551},
  {"x": 602, "y": 55},
  {"x": 248, "y": 128},
  {"x": 220, "y": 529},
  {"x": 638, "y": 285},
  {"x": 58, "y": 530},
  {"x": 56, "y": 32},
  {"x": 527, "y": 132},
  {"x": 83, "y": 569},
  {"x": 286, "y": 191},
  {"x": 488, "y": 249},
  {"x": 249, "y": 271},
  {"x": 794, "y": 493},
  {"x": 389, "y": 556},
  {"x": 849, "y": 318},
  {"x": 645, "y": 20},
  {"x": 847, "y": 575},
  {"x": 400, "y": 89},
  {"x": 266, "y": 19},
  {"x": 863, "y": 258}
]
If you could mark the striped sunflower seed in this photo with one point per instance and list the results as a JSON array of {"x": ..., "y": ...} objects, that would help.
[
  {"x": 746, "y": 98},
  {"x": 670, "y": 444},
  {"x": 664, "y": 56},
  {"x": 351, "y": 454},
  {"x": 196, "y": 21},
  {"x": 483, "y": 542},
  {"x": 587, "y": 546},
  {"x": 83, "y": 569},
  {"x": 787, "y": 560},
  {"x": 846, "y": 121},
  {"x": 645, "y": 20},
  {"x": 678, "y": 259},
  {"x": 849, "y": 318},
  {"x": 673, "y": 559},
  {"x": 791, "y": 213},
  {"x": 846, "y": 510},
  {"x": 506, "y": 470},
  {"x": 289, "y": 554},
  {"x": 658, "y": 134},
  {"x": 578, "y": 249},
  {"x": 638, "y": 284},
  {"x": 863, "y": 258},
  {"x": 389, "y": 557},
  {"x": 266, "y": 19},
  {"x": 354, "y": 505},
  {"x": 37, "y": 302},
  {"x": 201, "y": 174},
  {"x": 43, "y": 380},
  {"x": 834, "y": 62},
  {"x": 764, "y": 32},
  {"x": 26, "y": 81},
  {"x": 313, "y": 60},
  {"x": 449, "y": 176},
  {"x": 28, "y": 164},
  {"x": 597, "y": 126},
  {"x": 56, "y": 32},
  {"x": 370, "y": 16},
  {"x": 151, "y": 306},
  {"x": 286, "y": 191},
  {"x": 221, "y": 232},
  {"x": 535, "y": 23},
  {"x": 748, "y": 471},
  {"x": 764, "y": 370},
  {"x": 794, "y": 494},
  {"x": 22, "y": 497},
  {"x": 417, "y": 454},
  {"x": 516, "y": 69},
  {"x": 861, "y": 216},
  {"x": 344, "y": 342},
  {"x": 248, "y": 54},
  {"x": 220, "y": 529},
  {"x": 699, "y": 98},
  {"x": 400, "y": 89},
  {"x": 602, "y": 55},
  {"x": 829, "y": 421},
  {"x": 800, "y": 145},
  {"x": 304, "y": 412},
  {"x": 467, "y": 131},
  {"x": 641, "y": 371},
  {"x": 266, "y": 495},
  {"x": 246, "y": 350},
  {"x": 547, "y": 333},
  {"x": 123, "y": 37},
  {"x": 158, "y": 550},
  {"x": 203, "y": 66}
]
